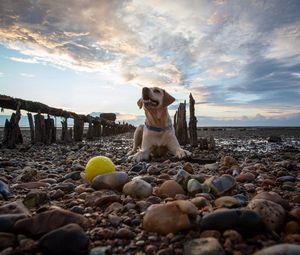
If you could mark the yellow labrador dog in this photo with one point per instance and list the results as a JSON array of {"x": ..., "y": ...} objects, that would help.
[{"x": 157, "y": 135}]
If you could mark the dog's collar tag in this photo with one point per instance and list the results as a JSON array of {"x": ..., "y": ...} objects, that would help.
[{"x": 157, "y": 129}]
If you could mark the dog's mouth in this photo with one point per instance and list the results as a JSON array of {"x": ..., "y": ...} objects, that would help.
[{"x": 148, "y": 102}]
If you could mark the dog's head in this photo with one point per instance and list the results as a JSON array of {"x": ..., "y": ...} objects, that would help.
[{"x": 155, "y": 98}]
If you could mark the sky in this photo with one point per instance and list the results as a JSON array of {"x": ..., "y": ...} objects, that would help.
[{"x": 239, "y": 59}]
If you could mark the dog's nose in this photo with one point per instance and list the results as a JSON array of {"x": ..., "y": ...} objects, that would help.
[{"x": 145, "y": 92}]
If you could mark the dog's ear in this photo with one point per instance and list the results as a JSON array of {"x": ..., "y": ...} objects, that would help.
[
  {"x": 140, "y": 103},
  {"x": 168, "y": 99}
]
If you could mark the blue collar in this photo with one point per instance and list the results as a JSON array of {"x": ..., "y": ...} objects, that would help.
[{"x": 157, "y": 129}]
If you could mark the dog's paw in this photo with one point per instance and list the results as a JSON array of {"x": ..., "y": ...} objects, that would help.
[
  {"x": 139, "y": 156},
  {"x": 129, "y": 153},
  {"x": 181, "y": 153}
]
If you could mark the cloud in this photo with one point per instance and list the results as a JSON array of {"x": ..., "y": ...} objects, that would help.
[
  {"x": 27, "y": 75},
  {"x": 24, "y": 60}
]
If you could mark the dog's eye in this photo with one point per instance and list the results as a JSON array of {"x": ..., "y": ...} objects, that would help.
[{"x": 156, "y": 91}]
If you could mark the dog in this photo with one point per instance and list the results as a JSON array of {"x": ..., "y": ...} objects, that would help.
[{"x": 157, "y": 135}]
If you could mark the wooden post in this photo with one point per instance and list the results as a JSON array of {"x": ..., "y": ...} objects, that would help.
[
  {"x": 50, "y": 129},
  {"x": 40, "y": 128},
  {"x": 12, "y": 132},
  {"x": 89, "y": 134},
  {"x": 65, "y": 133},
  {"x": 180, "y": 124},
  {"x": 96, "y": 129},
  {"x": 193, "y": 123},
  {"x": 31, "y": 125},
  {"x": 78, "y": 129}
]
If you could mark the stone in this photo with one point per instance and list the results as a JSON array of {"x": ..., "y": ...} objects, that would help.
[
  {"x": 200, "y": 202},
  {"x": 242, "y": 220},
  {"x": 274, "y": 139},
  {"x": 292, "y": 227},
  {"x": 170, "y": 188},
  {"x": 66, "y": 187},
  {"x": 36, "y": 198},
  {"x": 188, "y": 167},
  {"x": 100, "y": 250},
  {"x": 221, "y": 185},
  {"x": 203, "y": 246},
  {"x": 47, "y": 221},
  {"x": 212, "y": 167},
  {"x": 7, "y": 221},
  {"x": 69, "y": 239},
  {"x": 228, "y": 161},
  {"x": 194, "y": 187},
  {"x": 16, "y": 207},
  {"x": 138, "y": 168},
  {"x": 7, "y": 240},
  {"x": 280, "y": 249},
  {"x": 75, "y": 175},
  {"x": 125, "y": 233},
  {"x": 182, "y": 177},
  {"x": 227, "y": 201},
  {"x": 274, "y": 197},
  {"x": 4, "y": 190},
  {"x": 273, "y": 214},
  {"x": 28, "y": 174},
  {"x": 295, "y": 214},
  {"x": 114, "y": 181},
  {"x": 245, "y": 177},
  {"x": 31, "y": 185},
  {"x": 153, "y": 170},
  {"x": 138, "y": 188},
  {"x": 286, "y": 178},
  {"x": 170, "y": 217}
]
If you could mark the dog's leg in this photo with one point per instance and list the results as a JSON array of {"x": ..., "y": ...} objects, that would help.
[
  {"x": 144, "y": 153},
  {"x": 137, "y": 139},
  {"x": 176, "y": 150}
]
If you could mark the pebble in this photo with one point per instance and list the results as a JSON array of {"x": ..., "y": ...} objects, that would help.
[
  {"x": 188, "y": 167},
  {"x": 36, "y": 198},
  {"x": 280, "y": 249},
  {"x": 221, "y": 185},
  {"x": 4, "y": 190},
  {"x": 203, "y": 246},
  {"x": 7, "y": 240},
  {"x": 114, "y": 181},
  {"x": 138, "y": 168},
  {"x": 100, "y": 250},
  {"x": 227, "y": 201},
  {"x": 170, "y": 188},
  {"x": 228, "y": 161},
  {"x": 273, "y": 214},
  {"x": 286, "y": 179},
  {"x": 153, "y": 170},
  {"x": 75, "y": 175},
  {"x": 170, "y": 217},
  {"x": 242, "y": 220},
  {"x": 274, "y": 197},
  {"x": 7, "y": 221},
  {"x": 28, "y": 174},
  {"x": 31, "y": 185},
  {"x": 182, "y": 177},
  {"x": 137, "y": 188},
  {"x": 47, "y": 221},
  {"x": 245, "y": 177},
  {"x": 69, "y": 239},
  {"x": 194, "y": 187},
  {"x": 16, "y": 207},
  {"x": 200, "y": 202},
  {"x": 66, "y": 187},
  {"x": 125, "y": 233},
  {"x": 212, "y": 167}
]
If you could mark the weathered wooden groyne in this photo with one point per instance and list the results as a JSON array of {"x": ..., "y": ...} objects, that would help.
[{"x": 43, "y": 130}]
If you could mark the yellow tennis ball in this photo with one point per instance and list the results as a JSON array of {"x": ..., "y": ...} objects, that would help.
[{"x": 98, "y": 165}]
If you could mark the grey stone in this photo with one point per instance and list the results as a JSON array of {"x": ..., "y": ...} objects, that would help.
[
  {"x": 114, "y": 180},
  {"x": 203, "y": 246},
  {"x": 138, "y": 188}
]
